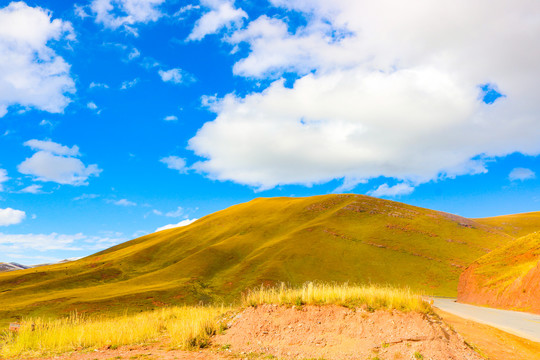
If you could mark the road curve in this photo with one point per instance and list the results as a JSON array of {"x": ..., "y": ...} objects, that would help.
[{"x": 522, "y": 324}]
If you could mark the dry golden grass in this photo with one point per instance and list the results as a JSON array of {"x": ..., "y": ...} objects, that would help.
[
  {"x": 187, "y": 327},
  {"x": 374, "y": 297}
]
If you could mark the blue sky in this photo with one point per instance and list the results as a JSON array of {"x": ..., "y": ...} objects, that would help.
[{"x": 119, "y": 117}]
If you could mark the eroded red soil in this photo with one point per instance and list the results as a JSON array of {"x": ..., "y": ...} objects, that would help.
[{"x": 523, "y": 294}]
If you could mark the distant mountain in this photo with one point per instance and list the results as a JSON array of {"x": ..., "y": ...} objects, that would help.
[
  {"x": 339, "y": 238},
  {"x": 4, "y": 267},
  {"x": 11, "y": 267},
  {"x": 508, "y": 277}
]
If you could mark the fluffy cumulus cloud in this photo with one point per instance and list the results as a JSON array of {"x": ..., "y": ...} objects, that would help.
[
  {"x": 521, "y": 174},
  {"x": 175, "y": 163},
  {"x": 176, "y": 76},
  {"x": 221, "y": 14},
  {"x": 114, "y": 14},
  {"x": 171, "y": 118},
  {"x": 392, "y": 191},
  {"x": 57, "y": 163},
  {"x": 398, "y": 93},
  {"x": 185, "y": 222},
  {"x": 31, "y": 73},
  {"x": 9, "y": 216}
]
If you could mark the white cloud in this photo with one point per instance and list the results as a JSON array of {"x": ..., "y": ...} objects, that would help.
[
  {"x": 274, "y": 50},
  {"x": 176, "y": 213},
  {"x": 92, "y": 106},
  {"x": 55, "y": 241},
  {"x": 86, "y": 196},
  {"x": 80, "y": 11},
  {"x": 185, "y": 9},
  {"x": 114, "y": 14},
  {"x": 175, "y": 163},
  {"x": 57, "y": 163},
  {"x": 222, "y": 14},
  {"x": 176, "y": 76},
  {"x": 9, "y": 216},
  {"x": 133, "y": 54},
  {"x": 3, "y": 178},
  {"x": 98, "y": 85},
  {"x": 46, "y": 123},
  {"x": 392, "y": 191},
  {"x": 521, "y": 174},
  {"x": 394, "y": 93},
  {"x": 52, "y": 147},
  {"x": 32, "y": 189},
  {"x": 129, "y": 84},
  {"x": 122, "y": 202},
  {"x": 171, "y": 118},
  {"x": 31, "y": 73},
  {"x": 180, "y": 224}
]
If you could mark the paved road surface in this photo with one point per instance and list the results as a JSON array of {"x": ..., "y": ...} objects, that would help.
[{"x": 518, "y": 323}]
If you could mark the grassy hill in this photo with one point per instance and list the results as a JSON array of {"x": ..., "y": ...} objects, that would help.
[
  {"x": 508, "y": 277},
  {"x": 516, "y": 225},
  {"x": 327, "y": 238}
]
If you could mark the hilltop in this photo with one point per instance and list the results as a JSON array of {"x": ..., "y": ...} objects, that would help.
[
  {"x": 516, "y": 225},
  {"x": 338, "y": 238},
  {"x": 508, "y": 277}
]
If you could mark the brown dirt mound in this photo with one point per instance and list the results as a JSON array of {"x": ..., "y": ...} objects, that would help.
[{"x": 334, "y": 332}]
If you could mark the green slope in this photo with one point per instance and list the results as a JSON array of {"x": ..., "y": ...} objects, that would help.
[
  {"x": 328, "y": 238},
  {"x": 516, "y": 225}
]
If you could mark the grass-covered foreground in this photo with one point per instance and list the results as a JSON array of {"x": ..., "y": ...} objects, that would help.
[{"x": 188, "y": 327}]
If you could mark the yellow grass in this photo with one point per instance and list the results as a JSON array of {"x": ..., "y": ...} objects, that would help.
[
  {"x": 373, "y": 297},
  {"x": 187, "y": 327}
]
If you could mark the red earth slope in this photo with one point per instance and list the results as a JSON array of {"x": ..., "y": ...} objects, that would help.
[{"x": 507, "y": 278}]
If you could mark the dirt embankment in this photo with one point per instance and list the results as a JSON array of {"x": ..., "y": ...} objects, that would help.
[
  {"x": 334, "y": 332},
  {"x": 522, "y": 294}
]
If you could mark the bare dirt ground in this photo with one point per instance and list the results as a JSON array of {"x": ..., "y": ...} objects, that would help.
[
  {"x": 335, "y": 332},
  {"x": 491, "y": 342}
]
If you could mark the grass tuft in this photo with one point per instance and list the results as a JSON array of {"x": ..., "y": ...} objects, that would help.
[
  {"x": 187, "y": 327},
  {"x": 371, "y": 297}
]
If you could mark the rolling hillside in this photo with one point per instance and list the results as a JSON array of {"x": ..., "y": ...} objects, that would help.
[
  {"x": 516, "y": 225},
  {"x": 328, "y": 238},
  {"x": 508, "y": 277}
]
